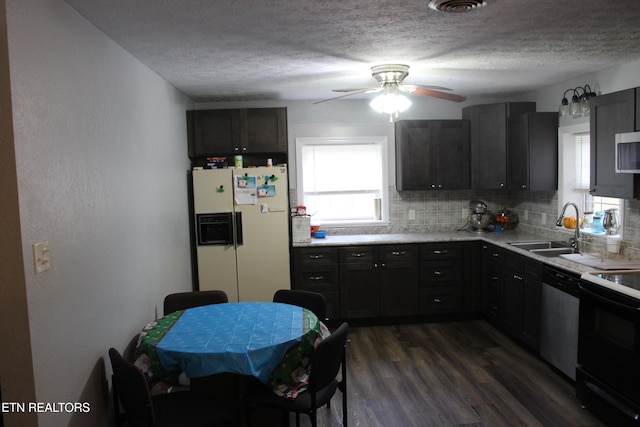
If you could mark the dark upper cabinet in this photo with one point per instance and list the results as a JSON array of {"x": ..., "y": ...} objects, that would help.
[
  {"x": 432, "y": 155},
  {"x": 533, "y": 152},
  {"x": 488, "y": 129},
  {"x": 236, "y": 131},
  {"x": 610, "y": 114}
]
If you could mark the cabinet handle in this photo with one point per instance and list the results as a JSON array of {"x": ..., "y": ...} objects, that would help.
[
  {"x": 437, "y": 300},
  {"x": 398, "y": 253},
  {"x": 439, "y": 273},
  {"x": 244, "y": 148},
  {"x": 358, "y": 254},
  {"x": 515, "y": 276},
  {"x": 316, "y": 277},
  {"x": 316, "y": 256},
  {"x": 524, "y": 187},
  {"x": 495, "y": 255},
  {"x": 236, "y": 149},
  {"x": 502, "y": 185},
  {"x": 383, "y": 265},
  {"x": 440, "y": 251},
  {"x": 433, "y": 186}
]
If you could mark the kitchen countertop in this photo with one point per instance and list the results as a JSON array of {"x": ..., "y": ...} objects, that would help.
[{"x": 500, "y": 239}]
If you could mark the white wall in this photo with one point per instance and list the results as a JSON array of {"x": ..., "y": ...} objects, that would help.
[{"x": 102, "y": 165}]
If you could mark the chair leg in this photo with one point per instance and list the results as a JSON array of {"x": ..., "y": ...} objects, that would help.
[{"x": 314, "y": 419}]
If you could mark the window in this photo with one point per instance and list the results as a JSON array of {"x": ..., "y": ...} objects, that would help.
[
  {"x": 576, "y": 154},
  {"x": 343, "y": 181}
]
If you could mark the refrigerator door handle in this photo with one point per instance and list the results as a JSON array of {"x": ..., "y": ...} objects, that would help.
[{"x": 239, "y": 240}]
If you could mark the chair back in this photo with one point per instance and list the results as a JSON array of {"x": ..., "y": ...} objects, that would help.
[
  {"x": 183, "y": 300},
  {"x": 313, "y": 301},
  {"x": 327, "y": 358},
  {"x": 131, "y": 390}
]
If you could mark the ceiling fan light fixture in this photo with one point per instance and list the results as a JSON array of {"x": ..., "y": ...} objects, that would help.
[{"x": 390, "y": 103}]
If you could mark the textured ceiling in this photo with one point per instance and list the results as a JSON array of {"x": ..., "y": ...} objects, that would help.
[{"x": 238, "y": 50}]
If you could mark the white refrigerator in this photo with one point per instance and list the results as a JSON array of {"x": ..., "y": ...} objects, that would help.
[{"x": 249, "y": 208}]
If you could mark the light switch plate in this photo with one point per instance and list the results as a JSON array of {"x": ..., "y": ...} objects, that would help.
[{"x": 41, "y": 256}]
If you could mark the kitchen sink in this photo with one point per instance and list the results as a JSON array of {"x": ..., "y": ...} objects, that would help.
[
  {"x": 544, "y": 247},
  {"x": 553, "y": 252}
]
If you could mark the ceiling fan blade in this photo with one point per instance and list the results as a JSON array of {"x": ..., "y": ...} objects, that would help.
[
  {"x": 437, "y": 94},
  {"x": 344, "y": 96},
  {"x": 365, "y": 89},
  {"x": 411, "y": 88}
]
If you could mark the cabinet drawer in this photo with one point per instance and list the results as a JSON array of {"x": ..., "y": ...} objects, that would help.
[
  {"x": 318, "y": 281},
  {"x": 357, "y": 258},
  {"x": 440, "y": 273},
  {"x": 440, "y": 300},
  {"x": 315, "y": 259},
  {"x": 396, "y": 257},
  {"x": 445, "y": 250}
]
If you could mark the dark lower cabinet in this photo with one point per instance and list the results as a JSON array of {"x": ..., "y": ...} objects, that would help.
[
  {"x": 491, "y": 273},
  {"x": 317, "y": 270},
  {"x": 440, "y": 278},
  {"x": 379, "y": 281},
  {"x": 521, "y": 300}
]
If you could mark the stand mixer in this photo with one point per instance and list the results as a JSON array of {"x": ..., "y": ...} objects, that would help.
[{"x": 479, "y": 218}]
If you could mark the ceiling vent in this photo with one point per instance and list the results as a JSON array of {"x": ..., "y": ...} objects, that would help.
[{"x": 456, "y": 5}]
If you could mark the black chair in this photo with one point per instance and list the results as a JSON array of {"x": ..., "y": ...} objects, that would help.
[
  {"x": 328, "y": 357},
  {"x": 179, "y": 409},
  {"x": 313, "y": 301},
  {"x": 182, "y": 300}
]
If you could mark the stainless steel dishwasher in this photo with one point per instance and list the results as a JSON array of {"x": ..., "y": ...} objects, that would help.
[{"x": 559, "y": 324}]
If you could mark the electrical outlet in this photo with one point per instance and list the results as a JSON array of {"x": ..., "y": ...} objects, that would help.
[
  {"x": 543, "y": 218},
  {"x": 41, "y": 256},
  {"x": 465, "y": 213},
  {"x": 525, "y": 215},
  {"x": 412, "y": 214}
]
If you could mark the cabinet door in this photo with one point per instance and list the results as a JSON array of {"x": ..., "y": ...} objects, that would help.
[
  {"x": 611, "y": 114},
  {"x": 488, "y": 145},
  {"x": 488, "y": 130},
  {"x": 511, "y": 315},
  {"x": 399, "y": 276},
  {"x": 266, "y": 130},
  {"x": 533, "y": 152},
  {"x": 415, "y": 154},
  {"x": 453, "y": 160},
  {"x": 359, "y": 282},
  {"x": 432, "y": 154},
  {"x": 531, "y": 312},
  {"x": 518, "y": 152},
  {"x": 213, "y": 132}
]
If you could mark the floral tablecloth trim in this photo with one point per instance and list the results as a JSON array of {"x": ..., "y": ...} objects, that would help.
[
  {"x": 146, "y": 359},
  {"x": 291, "y": 377}
]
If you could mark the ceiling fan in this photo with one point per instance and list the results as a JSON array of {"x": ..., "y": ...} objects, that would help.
[{"x": 390, "y": 77}]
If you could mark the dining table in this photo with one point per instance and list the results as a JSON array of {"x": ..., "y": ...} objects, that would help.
[{"x": 270, "y": 341}]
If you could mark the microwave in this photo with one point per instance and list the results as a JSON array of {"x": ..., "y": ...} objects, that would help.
[{"x": 627, "y": 152}]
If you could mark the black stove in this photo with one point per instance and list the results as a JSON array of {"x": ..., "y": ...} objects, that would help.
[{"x": 626, "y": 282}]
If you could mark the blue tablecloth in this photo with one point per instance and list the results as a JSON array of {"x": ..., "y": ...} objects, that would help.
[{"x": 249, "y": 338}]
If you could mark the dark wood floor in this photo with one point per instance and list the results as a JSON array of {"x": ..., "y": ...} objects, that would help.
[{"x": 449, "y": 374}]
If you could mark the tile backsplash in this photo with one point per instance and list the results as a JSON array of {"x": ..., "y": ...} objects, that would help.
[{"x": 443, "y": 211}]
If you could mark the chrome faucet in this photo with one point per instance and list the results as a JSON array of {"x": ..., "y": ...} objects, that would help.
[{"x": 574, "y": 241}]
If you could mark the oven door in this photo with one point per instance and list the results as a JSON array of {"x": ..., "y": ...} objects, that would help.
[{"x": 609, "y": 338}]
